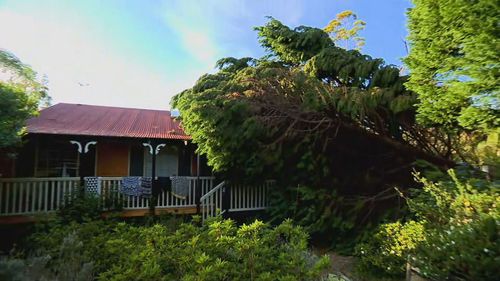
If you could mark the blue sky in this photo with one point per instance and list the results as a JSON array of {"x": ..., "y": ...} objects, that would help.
[{"x": 141, "y": 53}]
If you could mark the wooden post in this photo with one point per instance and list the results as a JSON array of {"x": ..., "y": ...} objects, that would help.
[
  {"x": 408, "y": 270},
  {"x": 197, "y": 189},
  {"x": 154, "y": 149},
  {"x": 83, "y": 147},
  {"x": 154, "y": 191},
  {"x": 226, "y": 198}
]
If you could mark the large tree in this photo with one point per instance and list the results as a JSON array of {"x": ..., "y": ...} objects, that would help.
[
  {"x": 314, "y": 115},
  {"x": 306, "y": 89},
  {"x": 454, "y": 63},
  {"x": 21, "y": 93}
]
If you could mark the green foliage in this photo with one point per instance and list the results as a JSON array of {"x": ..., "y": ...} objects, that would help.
[
  {"x": 292, "y": 46},
  {"x": 335, "y": 221},
  {"x": 83, "y": 206},
  {"x": 218, "y": 250},
  {"x": 462, "y": 220},
  {"x": 386, "y": 252},
  {"x": 252, "y": 115},
  {"x": 488, "y": 152},
  {"x": 15, "y": 108},
  {"x": 93, "y": 234},
  {"x": 455, "y": 235},
  {"x": 454, "y": 62},
  {"x": 66, "y": 264},
  {"x": 20, "y": 97},
  {"x": 312, "y": 114},
  {"x": 80, "y": 207},
  {"x": 218, "y": 114},
  {"x": 20, "y": 71},
  {"x": 221, "y": 251}
]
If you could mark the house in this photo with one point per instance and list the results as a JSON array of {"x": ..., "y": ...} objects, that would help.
[{"x": 70, "y": 142}]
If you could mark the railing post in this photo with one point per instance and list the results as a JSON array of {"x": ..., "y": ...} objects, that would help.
[
  {"x": 154, "y": 187},
  {"x": 197, "y": 194},
  {"x": 226, "y": 198}
]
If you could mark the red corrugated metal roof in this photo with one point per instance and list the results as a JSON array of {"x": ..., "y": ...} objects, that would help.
[{"x": 92, "y": 120}]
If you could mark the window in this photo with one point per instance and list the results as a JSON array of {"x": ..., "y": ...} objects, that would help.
[
  {"x": 167, "y": 162},
  {"x": 57, "y": 159}
]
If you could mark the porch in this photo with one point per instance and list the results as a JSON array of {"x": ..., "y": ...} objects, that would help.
[{"x": 25, "y": 199}]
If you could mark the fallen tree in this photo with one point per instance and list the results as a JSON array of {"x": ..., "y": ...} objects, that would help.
[{"x": 334, "y": 127}]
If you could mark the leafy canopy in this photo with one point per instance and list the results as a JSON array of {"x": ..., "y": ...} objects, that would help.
[
  {"x": 264, "y": 115},
  {"x": 336, "y": 122},
  {"x": 454, "y": 62},
  {"x": 20, "y": 96}
]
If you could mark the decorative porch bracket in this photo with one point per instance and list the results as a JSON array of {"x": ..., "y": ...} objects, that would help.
[
  {"x": 155, "y": 190},
  {"x": 156, "y": 150},
  {"x": 85, "y": 148},
  {"x": 82, "y": 149}
]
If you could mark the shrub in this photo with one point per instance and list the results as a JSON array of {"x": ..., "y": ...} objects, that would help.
[
  {"x": 93, "y": 234},
  {"x": 67, "y": 264},
  {"x": 386, "y": 252},
  {"x": 323, "y": 212},
  {"x": 80, "y": 207},
  {"x": 217, "y": 250},
  {"x": 84, "y": 206},
  {"x": 455, "y": 235},
  {"x": 462, "y": 219}
]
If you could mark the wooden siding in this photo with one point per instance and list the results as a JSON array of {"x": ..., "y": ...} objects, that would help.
[{"x": 112, "y": 159}]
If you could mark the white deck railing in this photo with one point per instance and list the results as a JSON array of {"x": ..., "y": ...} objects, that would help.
[
  {"x": 242, "y": 198},
  {"x": 211, "y": 202},
  {"x": 249, "y": 198},
  {"x": 28, "y": 196},
  {"x": 110, "y": 186},
  {"x": 24, "y": 196}
]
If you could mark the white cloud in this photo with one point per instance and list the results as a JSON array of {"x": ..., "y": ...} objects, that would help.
[
  {"x": 70, "y": 56},
  {"x": 188, "y": 21},
  {"x": 195, "y": 41},
  {"x": 83, "y": 65},
  {"x": 213, "y": 29}
]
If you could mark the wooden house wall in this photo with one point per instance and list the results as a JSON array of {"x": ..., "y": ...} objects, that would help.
[{"x": 112, "y": 159}]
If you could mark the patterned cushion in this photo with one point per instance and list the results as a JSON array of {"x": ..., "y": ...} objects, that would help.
[
  {"x": 146, "y": 187},
  {"x": 180, "y": 186},
  {"x": 131, "y": 186},
  {"x": 92, "y": 185}
]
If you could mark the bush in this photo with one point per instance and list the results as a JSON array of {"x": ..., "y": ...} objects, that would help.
[
  {"x": 80, "y": 207},
  {"x": 85, "y": 206},
  {"x": 386, "y": 252},
  {"x": 218, "y": 250},
  {"x": 67, "y": 264},
  {"x": 333, "y": 220},
  {"x": 455, "y": 236},
  {"x": 92, "y": 234},
  {"x": 462, "y": 219}
]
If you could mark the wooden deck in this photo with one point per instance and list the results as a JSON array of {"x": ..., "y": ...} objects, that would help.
[
  {"x": 21, "y": 219},
  {"x": 159, "y": 211}
]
